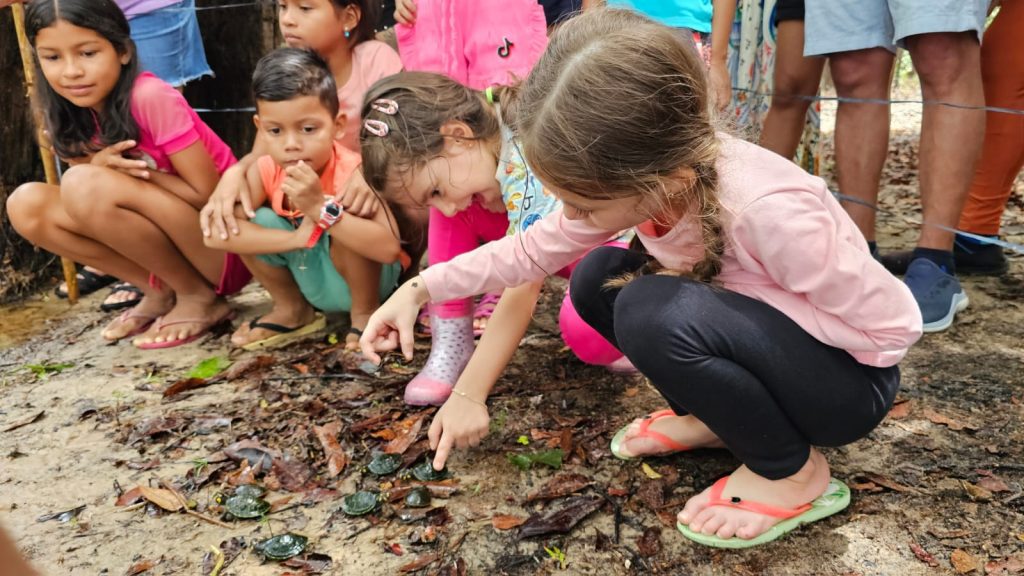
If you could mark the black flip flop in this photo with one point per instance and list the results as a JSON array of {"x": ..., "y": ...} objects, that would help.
[
  {"x": 88, "y": 282},
  {"x": 122, "y": 287}
]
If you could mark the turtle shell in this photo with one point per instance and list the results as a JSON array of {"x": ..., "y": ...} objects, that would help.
[
  {"x": 418, "y": 497},
  {"x": 362, "y": 502},
  {"x": 424, "y": 472},
  {"x": 282, "y": 547},
  {"x": 384, "y": 464},
  {"x": 246, "y": 506}
]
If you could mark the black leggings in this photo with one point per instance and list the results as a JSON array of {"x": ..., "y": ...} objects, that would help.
[{"x": 766, "y": 387}]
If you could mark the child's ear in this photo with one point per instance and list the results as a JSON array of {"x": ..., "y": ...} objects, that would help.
[
  {"x": 457, "y": 130},
  {"x": 350, "y": 18},
  {"x": 125, "y": 57},
  {"x": 256, "y": 121},
  {"x": 340, "y": 122}
]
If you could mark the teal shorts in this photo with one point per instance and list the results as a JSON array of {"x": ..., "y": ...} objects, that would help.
[{"x": 314, "y": 271}]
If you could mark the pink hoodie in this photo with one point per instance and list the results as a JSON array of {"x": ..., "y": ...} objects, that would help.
[{"x": 788, "y": 243}]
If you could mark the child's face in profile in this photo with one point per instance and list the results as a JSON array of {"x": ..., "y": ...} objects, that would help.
[
  {"x": 313, "y": 24},
  {"x": 79, "y": 63},
  {"x": 611, "y": 215},
  {"x": 299, "y": 129},
  {"x": 451, "y": 182}
]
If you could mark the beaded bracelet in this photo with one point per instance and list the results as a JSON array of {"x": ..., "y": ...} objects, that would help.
[{"x": 466, "y": 396}]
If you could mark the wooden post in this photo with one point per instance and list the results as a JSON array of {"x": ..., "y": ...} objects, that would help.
[{"x": 49, "y": 163}]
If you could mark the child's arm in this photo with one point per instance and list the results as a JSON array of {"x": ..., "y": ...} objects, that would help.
[
  {"x": 722, "y": 15},
  {"x": 463, "y": 420},
  {"x": 255, "y": 239},
  {"x": 374, "y": 238},
  {"x": 218, "y": 216},
  {"x": 196, "y": 178}
]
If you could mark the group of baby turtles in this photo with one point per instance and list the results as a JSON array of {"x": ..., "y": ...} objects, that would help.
[{"x": 247, "y": 503}]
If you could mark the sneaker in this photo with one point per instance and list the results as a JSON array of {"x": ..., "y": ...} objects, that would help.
[
  {"x": 975, "y": 258},
  {"x": 972, "y": 259},
  {"x": 937, "y": 293}
]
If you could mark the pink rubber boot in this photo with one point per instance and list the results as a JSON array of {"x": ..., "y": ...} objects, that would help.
[{"x": 450, "y": 351}]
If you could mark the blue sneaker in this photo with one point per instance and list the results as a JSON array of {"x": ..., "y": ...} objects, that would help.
[{"x": 938, "y": 294}]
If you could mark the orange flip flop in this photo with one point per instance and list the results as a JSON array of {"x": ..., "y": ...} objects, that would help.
[{"x": 670, "y": 445}]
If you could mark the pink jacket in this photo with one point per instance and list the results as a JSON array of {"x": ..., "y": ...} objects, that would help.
[
  {"x": 788, "y": 243},
  {"x": 478, "y": 43}
]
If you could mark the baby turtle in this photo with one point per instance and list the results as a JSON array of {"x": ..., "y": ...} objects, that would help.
[
  {"x": 424, "y": 472},
  {"x": 246, "y": 506},
  {"x": 362, "y": 502},
  {"x": 282, "y": 547},
  {"x": 253, "y": 490},
  {"x": 384, "y": 464},
  {"x": 418, "y": 497}
]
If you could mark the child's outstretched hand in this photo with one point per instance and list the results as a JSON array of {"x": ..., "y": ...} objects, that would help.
[
  {"x": 302, "y": 186},
  {"x": 111, "y": 157},
  {"x": 405, "y": 12},
  {"x": 391, "y": 326},
  {"x": 460, "y": 423},
  {"x": 218, "y": 216}
]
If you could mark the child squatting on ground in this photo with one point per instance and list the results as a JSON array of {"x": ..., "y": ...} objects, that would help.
[
  {"x": 430, "y": 142},
  {"x": 143, "y": 164},
  {"x": 302, "y": 247},
  {"x": 340, "y": 32},
  {"x": 759, "y": 314}
]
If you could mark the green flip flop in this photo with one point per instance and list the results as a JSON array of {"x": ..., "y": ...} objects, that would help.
[
  {"x": 671, "y": 446},
  {"x": 835, "y": 499}
]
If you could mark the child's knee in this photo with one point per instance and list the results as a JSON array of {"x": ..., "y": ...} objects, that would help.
[
  {"x": 585, "y": 342},
  {"x": 26, "y": 207},
  {"x": 84, "y": 192}
]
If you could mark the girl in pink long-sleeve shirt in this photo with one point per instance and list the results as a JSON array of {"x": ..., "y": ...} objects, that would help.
[{"x": 771, "y": 329}]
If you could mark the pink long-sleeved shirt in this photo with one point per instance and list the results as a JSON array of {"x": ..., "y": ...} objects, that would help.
[{"x": 788, "y": 243}]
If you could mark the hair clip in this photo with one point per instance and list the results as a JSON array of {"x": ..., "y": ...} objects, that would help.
[
  {"x": 376, "y": 127},
  {"x": 385, "y": 105}
]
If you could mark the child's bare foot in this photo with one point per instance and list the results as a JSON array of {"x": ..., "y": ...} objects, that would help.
[
  {"x": 685, "y": 430},
  {"x": 358, "y": 320},
  {"x": 286, "y": 316},
  {"x": 150, "y": 307},
  {"x": 190, "y": 317},
  {"x": 789, "y": 493}
]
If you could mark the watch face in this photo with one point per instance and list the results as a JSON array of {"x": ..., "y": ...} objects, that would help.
[{"x": 333, "y": 210}]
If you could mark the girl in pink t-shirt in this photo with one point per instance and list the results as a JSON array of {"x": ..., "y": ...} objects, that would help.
[{"x": 143, "y": 163}]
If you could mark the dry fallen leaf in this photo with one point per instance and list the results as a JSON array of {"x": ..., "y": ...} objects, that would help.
[
  {"x": 963, "y": 562},
  {"x": 900, "y": 410},
  {"x": 977, "y": 493},
  {"x": 649, "y": 472},
  {"x": 161, "y": 497},
  {"x": 923, "y": 555},
  {"x": 506, "y": 521},
  {"x": 956, "y": 425}
]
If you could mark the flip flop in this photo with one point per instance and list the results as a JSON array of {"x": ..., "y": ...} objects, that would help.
[
  {"x": 835, "y": 499},
  {"x": 88, "y": 282},
  {"x": 207, "y": 325},
  {"x": 128, "y": 315},
  {"x": 285, "y": 335},
  {"x": 121, "y": 287},
  {"x": 645, "y": 431}
]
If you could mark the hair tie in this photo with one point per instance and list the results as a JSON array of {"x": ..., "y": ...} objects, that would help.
[
  {"x": 376, "y": 127},
  {"x": 489, "y": 94},
  {"x": 385, "y": 105}
]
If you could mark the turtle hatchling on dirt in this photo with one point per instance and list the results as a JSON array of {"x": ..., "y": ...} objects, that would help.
[
  {"x": 362, "y": 502},
  {"x": 418, "y": 497},
  {"x": 282, "y": 547},
  {"x": 246, "y": 506},
  {"x": 384, "y": 464},
  {"x": 424, "y": 472}
]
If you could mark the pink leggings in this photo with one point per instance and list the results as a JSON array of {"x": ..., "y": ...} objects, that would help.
[{"x": 464, "y": 232}]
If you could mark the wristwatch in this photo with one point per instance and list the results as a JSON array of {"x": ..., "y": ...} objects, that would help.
[{"x": 329, "y": 216}]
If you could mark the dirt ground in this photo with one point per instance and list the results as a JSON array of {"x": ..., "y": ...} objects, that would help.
[{"x": 937, "y": 487}]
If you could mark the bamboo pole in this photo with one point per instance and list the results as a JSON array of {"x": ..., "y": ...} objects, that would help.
[{"x": 49, "y": 163}]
